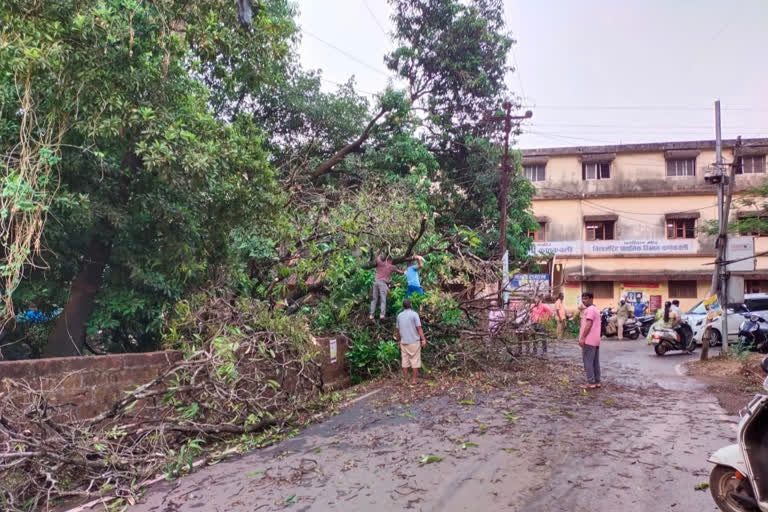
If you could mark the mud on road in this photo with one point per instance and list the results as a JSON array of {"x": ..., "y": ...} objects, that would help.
[{"x": 530, "y": 440}]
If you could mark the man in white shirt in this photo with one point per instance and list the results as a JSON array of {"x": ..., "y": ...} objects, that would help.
[{"x": 411, "y": 338}]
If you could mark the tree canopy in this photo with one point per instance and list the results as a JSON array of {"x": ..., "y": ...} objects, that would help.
[{"x": 151, "y": 150}]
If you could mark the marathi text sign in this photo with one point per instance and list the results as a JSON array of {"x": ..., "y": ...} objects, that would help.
[{"x": 613, "y": 247}]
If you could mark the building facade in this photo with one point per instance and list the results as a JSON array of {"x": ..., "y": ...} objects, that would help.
[{"x": 626, "y": 220}]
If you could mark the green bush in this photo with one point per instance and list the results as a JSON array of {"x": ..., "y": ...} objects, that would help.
[{"x": 368, "y": 357}]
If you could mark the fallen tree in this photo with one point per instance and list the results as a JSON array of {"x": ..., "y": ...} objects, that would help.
[
  {"x": 248, "y": 377},
  {"x": 246, "y": 374}
]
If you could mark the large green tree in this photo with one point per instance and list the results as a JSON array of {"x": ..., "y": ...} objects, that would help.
[
  {"x": 155, "y": 148},
  {"x": 118, "y": 176}
]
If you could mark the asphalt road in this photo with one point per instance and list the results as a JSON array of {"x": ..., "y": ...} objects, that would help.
[{"x": 638, "y": 444}]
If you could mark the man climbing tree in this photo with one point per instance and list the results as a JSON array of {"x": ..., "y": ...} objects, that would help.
[
  {"x": 412, "y": 277},
  {"x": 380, "y": 290}
]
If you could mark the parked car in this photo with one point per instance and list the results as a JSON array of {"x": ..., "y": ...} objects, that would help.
[{"x": 756, "y": 303}]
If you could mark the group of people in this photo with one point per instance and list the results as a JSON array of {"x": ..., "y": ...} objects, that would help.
[
  {"x": 411, "y": 338},
  {"x": 380, "y": 290},
  {"x": 409, "y": 334}
]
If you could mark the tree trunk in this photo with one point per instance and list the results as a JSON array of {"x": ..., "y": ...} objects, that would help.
[{"x": 68, "y": 335}]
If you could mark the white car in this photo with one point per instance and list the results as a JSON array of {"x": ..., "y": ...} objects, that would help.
[{"x": 697, "y": 317}]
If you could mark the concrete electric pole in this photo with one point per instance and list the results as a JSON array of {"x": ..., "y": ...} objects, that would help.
[
  {"x": 504, "y": 171},
  {"x": 725, "y": 182}
]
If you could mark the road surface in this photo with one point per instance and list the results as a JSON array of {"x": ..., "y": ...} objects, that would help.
[{"x": 638, "y": 444}]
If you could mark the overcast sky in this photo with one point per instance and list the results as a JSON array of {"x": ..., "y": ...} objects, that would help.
[{"x": 592, "y": 71}]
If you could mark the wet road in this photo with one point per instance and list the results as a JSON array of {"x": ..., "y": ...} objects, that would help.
[{"x": 638, "y": 444}]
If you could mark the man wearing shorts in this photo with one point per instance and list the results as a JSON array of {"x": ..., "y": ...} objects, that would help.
[{"x": 411, "y": 338}]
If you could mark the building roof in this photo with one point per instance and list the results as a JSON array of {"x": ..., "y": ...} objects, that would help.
[{"x": 640, "y": 148}]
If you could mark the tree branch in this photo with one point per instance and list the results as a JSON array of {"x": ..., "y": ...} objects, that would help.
[{"x": 326, "y": 166}]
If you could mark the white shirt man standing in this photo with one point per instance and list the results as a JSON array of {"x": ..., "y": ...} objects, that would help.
[{"x": 411, "y": 338}]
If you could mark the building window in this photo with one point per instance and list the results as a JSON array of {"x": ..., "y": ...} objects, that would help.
[
  {"x": 681, "y": 167},
  {"x": 600, "y": 289},
  {"x": 752, "y": 165},
  {"x": 755, "y": 286},
  {"x": 681, "y": 228},
  {"x": 596, "y": 171},
  {"x": 682, "y": 290},
  {"x": 600, "y": 230},
  {"x": 535, "y": 172},
  {"x": 539, "y": 234}
]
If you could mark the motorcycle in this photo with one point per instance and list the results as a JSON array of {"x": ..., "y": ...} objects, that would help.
[
  {"x": 753, "y": 334},
  {"x": 679, "y": 337},
  {"x": 739, "y": 480},
  {"x": 609, "y": 328},
  {"x": 646, "y": 321}
]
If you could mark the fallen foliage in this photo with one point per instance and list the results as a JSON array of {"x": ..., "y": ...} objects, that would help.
[{"x": 246, "y": 375}]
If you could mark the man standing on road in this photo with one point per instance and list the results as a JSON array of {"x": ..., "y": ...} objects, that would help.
[
  {"x": 623, "y": 313},
  {"x": 560, "y": 316},
  {"x": 411, "y": 339},
  {"x": 384, "y": 269},
  {"x": 589, "y": 340}
]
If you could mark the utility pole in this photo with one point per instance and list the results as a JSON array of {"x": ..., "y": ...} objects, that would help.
[
  {"x": 504, "y": 171},
  {"x": 722, "y": 238},
  {"x": 720, "y": 276}
]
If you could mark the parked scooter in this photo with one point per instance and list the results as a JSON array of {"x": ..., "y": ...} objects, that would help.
[
  {"x": 753, "y": 334},
  {"x": 645, "y": 322},
  {"x": 739, "y": 480},
  {"x": 608, "y": 328},
  {"x": 679, "y": 337}
]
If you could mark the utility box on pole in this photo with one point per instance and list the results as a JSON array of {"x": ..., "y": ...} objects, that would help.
[{"x": 741, "y": 251}]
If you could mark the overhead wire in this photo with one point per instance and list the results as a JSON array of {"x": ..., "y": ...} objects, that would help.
[
  {"x": 345, "y": 53},
  {"x": 641, "y": 107},
  {"x": 375, "y": 19},
  {"x": 334, "y": 82}
]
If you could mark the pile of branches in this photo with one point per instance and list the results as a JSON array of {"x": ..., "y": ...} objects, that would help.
[
  {"x": 486, "y": 335},
  {"x": 246, "y": 373}
]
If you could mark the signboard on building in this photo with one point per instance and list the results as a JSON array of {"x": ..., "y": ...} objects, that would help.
[
  {"x": 615, "y": 247},
  {"x": 529, "y": 283},
  {"x": 740, "y": 248}
]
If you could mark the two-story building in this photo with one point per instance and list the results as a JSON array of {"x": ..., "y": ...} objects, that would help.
[{"x": 626, "y": 220}]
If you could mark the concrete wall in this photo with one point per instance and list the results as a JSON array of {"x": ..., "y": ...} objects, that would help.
[{"x": 85, "y": 386}]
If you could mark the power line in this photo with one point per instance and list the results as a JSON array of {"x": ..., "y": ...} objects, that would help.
[
  {"x": 640, "y": 127},
  {"x": 567, "y": 137},
  {"x": 374, "y": 17},
  {"x": 641, "y": 107},
  {"x": 517, "y": 71},
  {"x": 346, "y": 54},
  {"x": 334, "y": 82}
]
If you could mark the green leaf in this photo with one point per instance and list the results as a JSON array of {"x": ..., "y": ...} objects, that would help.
[
  {"x": 467, "y": 402},
  {"x": 292, "y": 499},
  {"x": 701, "y": 487},
  {"x": 430, "y": 459},
  {"x": 466, "y": 445}
]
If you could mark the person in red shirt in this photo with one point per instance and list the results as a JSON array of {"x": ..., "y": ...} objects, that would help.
[
  {"x": 589, "y": 340},
  {"x": 540, "y": 312},
  {"x": 380, "y": 290}
]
